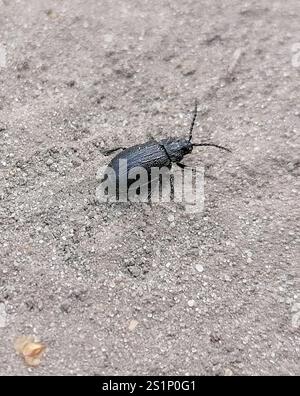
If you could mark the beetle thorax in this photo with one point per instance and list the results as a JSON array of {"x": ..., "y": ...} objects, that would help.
[{"x": 177, "y": 148}]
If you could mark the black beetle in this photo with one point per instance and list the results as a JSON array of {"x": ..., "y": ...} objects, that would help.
[{"x": 156, "y": 153}]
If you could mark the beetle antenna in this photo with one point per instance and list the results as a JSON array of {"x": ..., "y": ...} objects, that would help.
[
  {"x": 193, "y": 121},
  {"x": 213, "y": 145}
]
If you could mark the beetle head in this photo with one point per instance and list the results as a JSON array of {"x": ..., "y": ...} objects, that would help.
[
  {"x": 186, "y": 146},
  {"x": 177, "y": 148}
]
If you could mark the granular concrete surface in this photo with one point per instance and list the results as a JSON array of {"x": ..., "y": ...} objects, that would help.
[{"x": 132, "y": 289}]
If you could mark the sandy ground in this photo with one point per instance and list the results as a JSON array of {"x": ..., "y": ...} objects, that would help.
[{"x": 139, "y": 289}]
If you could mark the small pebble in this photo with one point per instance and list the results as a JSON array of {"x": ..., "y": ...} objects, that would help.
[
  {"x": 228, "y": 372},
  {"x": 227, "y": 278},
  {"x": 171, "y": 218},
  {"x": 2, "y": 315},
  {"x": 65, "y": 307},
  {"x": 199, "y": 268},
  {"x": 191, "y": 303},
  {"x": 132, "y": 325}
]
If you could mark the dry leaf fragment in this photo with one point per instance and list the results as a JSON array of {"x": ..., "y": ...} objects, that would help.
[{"x": 30, "y": 350}]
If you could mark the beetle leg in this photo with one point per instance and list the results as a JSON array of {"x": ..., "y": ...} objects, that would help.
[
  {"x": 108, "y": 152},
  {"x": 182, "y": 166},
  {"x": 172, "y": 187}
]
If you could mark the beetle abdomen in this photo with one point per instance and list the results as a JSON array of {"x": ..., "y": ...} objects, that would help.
[{"x": 147, "y": 155}]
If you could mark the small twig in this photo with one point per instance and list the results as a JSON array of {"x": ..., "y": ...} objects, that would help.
[{"x": 235, "y": 60}]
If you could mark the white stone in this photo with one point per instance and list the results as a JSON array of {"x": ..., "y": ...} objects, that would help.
[
  {"x": 2, "y": 315},
  {"x": 132, "y": 325},
  {"x": 171, "y": 218},
  {"x": 296, "y": 315},
  {"x": 199, "y": 268},
  {"x": 228, "y": 372},
  {"x": 191, "y": 303}
]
